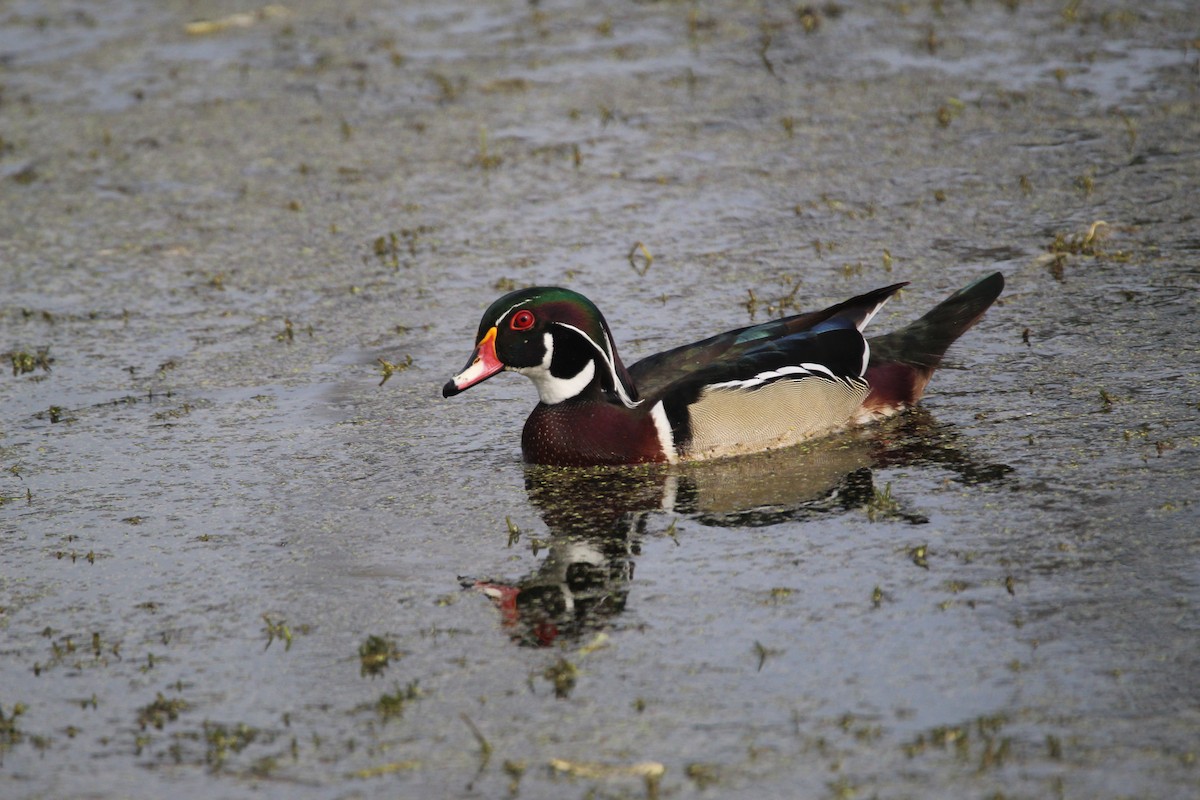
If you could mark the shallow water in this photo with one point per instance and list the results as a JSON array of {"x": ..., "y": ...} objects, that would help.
[{"x": 210, "y": 504}]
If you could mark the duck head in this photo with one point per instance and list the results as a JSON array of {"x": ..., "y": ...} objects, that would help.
[{"x": 555, "y": 337}]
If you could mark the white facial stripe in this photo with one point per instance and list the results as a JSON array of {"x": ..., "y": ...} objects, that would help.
[
  {"x": 608, "y": 362},
  {"x": 501, "y": 318},
  {"x": 553, "y": 390},
  {"x": 663, "y": 426}
]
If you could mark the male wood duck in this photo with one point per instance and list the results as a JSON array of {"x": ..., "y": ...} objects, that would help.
[{"x": 755, "y": 388}]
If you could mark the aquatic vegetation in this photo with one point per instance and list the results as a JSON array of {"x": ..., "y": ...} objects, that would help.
[
  {"x": 375, "y": 654},
  {"x": 514, "y": 531},
  {"x": 220, "y": 741},
  {"x": 882, "y": 504},
  {"x": 161, "y": 711},
  {"x": 389, "y": 247},
  {"x": 762, "y": 652},
  {"x": 562, "y": 674},
  {"x": 1088, "y": 243},
  {"x": 391, "y": 704},
  {"x": 246, "y": 19},
  {"x": 145, "y": 257},
  {"x": 387, "y": 369},
  {"x": 485, "y": 747},
  {"x": 978, "y": 742},
  {"x": 486, "y": 160},
  {"x": 640, "y": 258},
  {"x": 515, "y": 770},
  {"x": 24, "y": 362},
  {"x": 10, "y": 734},
  {"x": 701, "y": 774},
  {"x": 277, "y": 629},
  {"x": 651, "y": 772},
  {"x": 385, "y": 769},
  {"x": 64, "y": 652}
]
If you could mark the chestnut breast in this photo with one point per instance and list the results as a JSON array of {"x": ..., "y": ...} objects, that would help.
[{"x": 578, "y": 433}]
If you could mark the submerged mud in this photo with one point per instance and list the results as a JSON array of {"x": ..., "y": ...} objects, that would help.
[{"x": 248, "y": 549}]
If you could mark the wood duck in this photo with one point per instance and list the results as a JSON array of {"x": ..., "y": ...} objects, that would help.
[{"x": 755, "y": 388}]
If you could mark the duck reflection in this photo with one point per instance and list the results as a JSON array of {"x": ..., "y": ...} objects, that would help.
[{"x": 597, "y": 517}]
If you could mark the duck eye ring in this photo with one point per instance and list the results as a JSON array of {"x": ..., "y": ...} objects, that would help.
[{"x": 522, "y": 320}]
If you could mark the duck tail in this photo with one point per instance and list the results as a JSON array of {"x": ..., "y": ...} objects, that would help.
[{"x": 903, "y": 361}]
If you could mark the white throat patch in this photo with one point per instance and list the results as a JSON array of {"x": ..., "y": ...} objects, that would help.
[
  {"x": 609, "y": 363},
  {"x": 553, "y": 390}
]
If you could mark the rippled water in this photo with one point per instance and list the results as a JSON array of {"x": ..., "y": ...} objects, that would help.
[{"x": 236, "y": 564}]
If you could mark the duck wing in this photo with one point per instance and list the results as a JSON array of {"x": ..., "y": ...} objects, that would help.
[{"x": 738, "y": 353}]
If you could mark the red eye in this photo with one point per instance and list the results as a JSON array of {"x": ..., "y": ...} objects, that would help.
[{"x": 522, "y": 320}]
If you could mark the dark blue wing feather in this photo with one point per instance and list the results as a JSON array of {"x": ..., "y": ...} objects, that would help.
[{"x": 723, "y": 354}]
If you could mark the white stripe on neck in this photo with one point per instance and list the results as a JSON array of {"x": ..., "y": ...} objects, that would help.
[
  {"x": 551, "y": 389},
  {"x": 606, "y": 353}
]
